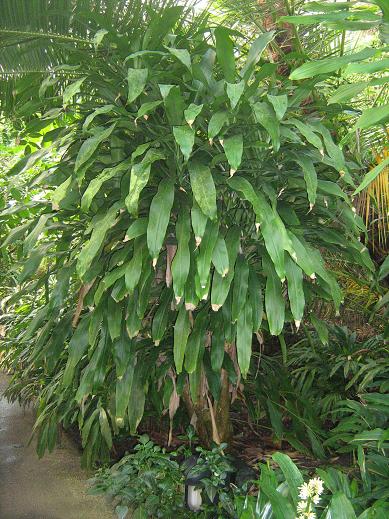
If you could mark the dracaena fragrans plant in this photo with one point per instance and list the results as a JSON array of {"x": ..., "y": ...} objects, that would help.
[{"x": 191, "y": 191}]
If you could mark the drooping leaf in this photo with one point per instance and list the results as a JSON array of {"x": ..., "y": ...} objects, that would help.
[
  {"x": 203, "y": 188},
  {"x": 220, "y": 257},
  {"x": 294, "y": 275},
  {"x": 185, "y": 137},
  {"x": 373, "y": 173},
  {"x": 225, "y": 53},
  {"x": 159, "y": 217},
  {"x": 274, "y": 301},
  {"x": 181, "y": 261},
  {"x": 71, "y": 90},
  {"x": 216, "y": 123},
  {"x": 280, "y": 104},
  {"x": 255, "y": 52},
  {"x": 192, "y": 112},
  {"x": 292, "y": 474},
  {"x": 244, "y": 333},
  {"x": 310, "y": 177},
  {"x": 233, "y": 148},
  {"x": 137, "y": 79},
  {"x": 373, "y": 116},
  {"x": 181, "y": 334},
  {"x": 182, "y": 55},
  {"x": 325, "y": 66},
  {"x": 267, "y": 118},
  {"x": 89, "y": 146},
  {"x": 97, "y": 182},
  {"x": 234, "y": 92},
  {"x": 140, "y": 174},
  {"x": 92, "y": 247}
]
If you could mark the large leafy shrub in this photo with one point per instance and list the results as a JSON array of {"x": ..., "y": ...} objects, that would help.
[{"x": 193, "y": 191}]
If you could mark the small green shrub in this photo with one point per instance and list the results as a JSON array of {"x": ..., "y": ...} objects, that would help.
[{"x": 148, "y": 482}]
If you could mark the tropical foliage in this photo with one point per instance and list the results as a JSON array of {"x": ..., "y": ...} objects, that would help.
[{"x": 178, "y": 208}]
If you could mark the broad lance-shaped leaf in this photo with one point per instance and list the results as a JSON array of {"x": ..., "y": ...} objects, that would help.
[
  {"x": 140, "y": 174},
  {"x": 31, "y": 265},
  {"x": 123, "y": 392},
  {"x": 280, "y": 104},
  {"x": 59, "y": 194},
  {"x": 373, "y": 116},
  {"x": 347, "y": 92},
  {"x": 134, "y": 267},
  {"x": 133, "y": 322},
  {"x": 147, "y": 108},
  {"x": 33, "y": 236},
  {"x": 101, "y": 110},
  {"x": 340, "y": 507},
  {"x": 291, "y": 473},
  {"x": 241, "y": 283},
  {"x": 206, "y": 248},
  {"x": 255, "y": 299},
  {"x": 321, "y": 328},
  {"x": 294, "y": 275},
  {"x": 233, "y": 148},
  {"x": 181, "y": 261},
  {"x": 203, "y": 188},
  {"x": 274, "y": 300},
  {"x": 137, "y": 79},
  {"x": 266, "y": 117},
  {"x": 185, "y": 137},
  {"x": 105, "y": 428},
  {"x": 221, "y": 285},
  {"x": 161, "y": 316},
  {"x": 114, "y": 318},
  {"x": 89, "y": 146},
  {"x": 77, "y": 346},
  {"x": 333, "y": 151},
  {"x": 199, "y": 222},
  {"x": 310, "y": 177},
  {"x": 225, "y": 53},
  {"x": 92, "y": 247},
  {"x": 181, "y": 334},
  {"x": 272, "y": 231},
  {"x": 192, "y": 112},
  {"x": 71, "y": 90},
  {"x": 137, "y": 399},
  {"x": 220, "y": 257},
  {"x": 196, "y": 342},
  {"x": 272, "y": 227},
  {"x": 324, "y": 66},
  {"x": 234, "y": 92},
  {"x": 244, "y": 335},
  {"x": 136, "y": 229},
  {"x": 255, "y": 53},
  {"x": 96, "y": 183},
  {"x": 216, "y": 123},
  {"x": 302, "y": 257},
  {"x": 182, "y": 55},
  {"x": 174, "y": 103},
  {"x": 159, "y": 217},
  {"x": 308, "y": 132}
]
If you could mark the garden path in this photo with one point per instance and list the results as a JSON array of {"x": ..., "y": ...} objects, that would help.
[{"x": 51, "y": 488}]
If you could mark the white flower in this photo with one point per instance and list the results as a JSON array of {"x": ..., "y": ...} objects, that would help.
[
  {"x": 316, "y": 499},
  {"x": 316, "y": 485},
  {"x": 304, "y": 491}
]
